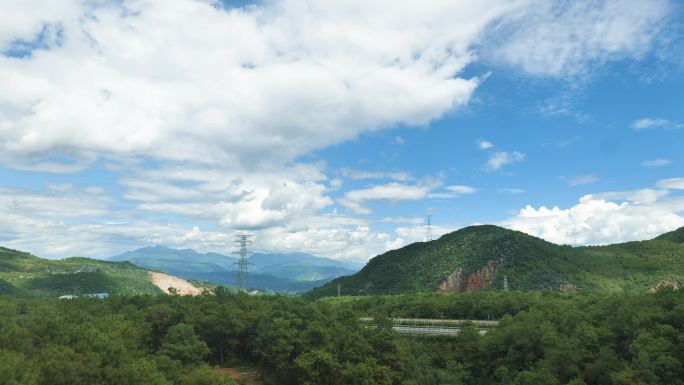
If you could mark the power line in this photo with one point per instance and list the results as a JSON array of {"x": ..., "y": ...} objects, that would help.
[{"x": 243, "y": 242}]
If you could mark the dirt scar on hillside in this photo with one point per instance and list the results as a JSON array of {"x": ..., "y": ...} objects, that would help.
[{"x": 165, "y": 281}]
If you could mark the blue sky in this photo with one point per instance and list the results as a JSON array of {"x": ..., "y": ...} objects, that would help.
[{"x": 335, "y": 130}]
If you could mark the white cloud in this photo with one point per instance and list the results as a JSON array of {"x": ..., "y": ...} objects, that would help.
[
  {"x": 391, "y": 192},
  {"x": 598, "y": 221},
  {"x": 453, "y": 192},
  {"x": 336, "y": 183},
  {"x": 398, "y": 140},
  {"x": 25, "y": 20},
  {"x": 461, "y": 189},
  {"x": 561, "y": 38},
  {"x": 418, "y": 233},
  {"x": 501, "y": 158},
  {"x": 350, "y": 173},
  {"x": 672, "y": 183},
  {"x": 609, "y": 217},
  {"x": 223, "y": 110},
  {"x": 94, "y": 225},
  {"x": 484, "y": 144},
  {"x": 394, "y": 244},
  {"x": 656, "y": 163},
  {"x": 508, "y": 190},
  {"x": 229, "y": 198},
  {"x": 327, "y": 72},
  {"x": 138, "y": 77},
  {"x": 646, "y": 195},
  {"x": 410, "y": 220},
  {"x": 654, "y": 123},
  {"x": 581, "y": 179}
]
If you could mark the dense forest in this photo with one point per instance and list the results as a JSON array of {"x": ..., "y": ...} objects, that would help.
[
  {"x": 479, "y": 257},
  {"x": 542, "y": 338}
]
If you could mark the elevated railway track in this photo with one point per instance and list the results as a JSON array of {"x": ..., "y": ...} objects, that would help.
[{"x": 434, "y": 327}]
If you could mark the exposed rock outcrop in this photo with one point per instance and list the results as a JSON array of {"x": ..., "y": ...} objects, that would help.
[
  {"x": 452, "y": 283},
  {"x": 481, "y": 279}
]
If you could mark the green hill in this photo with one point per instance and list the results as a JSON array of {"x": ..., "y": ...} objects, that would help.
[
  {"x": 482, "y": 257},
  {"x": 23, "y": 274}
]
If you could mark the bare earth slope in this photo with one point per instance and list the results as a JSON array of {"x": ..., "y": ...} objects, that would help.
[{"x": 165, "y": 281}]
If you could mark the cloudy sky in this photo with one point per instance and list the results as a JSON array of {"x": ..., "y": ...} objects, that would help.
[{"x": 335, "y": 127}]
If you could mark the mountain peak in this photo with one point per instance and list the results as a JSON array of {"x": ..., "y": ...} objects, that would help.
[{"x": 482, "y": 257}]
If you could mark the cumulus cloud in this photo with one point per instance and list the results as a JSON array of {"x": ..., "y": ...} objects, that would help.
[
  {"x": 606, "y": 217},
  {"x": 501, "y": 158},
  {"x": 95, "y": 226},
  {"x": 230, "y": 198},
  {"x": 139, "y": 77},
  {"x": 597, "y": 221},
  {"x": 647, "y": 195},
  {"x": 21, "y": 22},
  {"x": 656, "y": 163}
]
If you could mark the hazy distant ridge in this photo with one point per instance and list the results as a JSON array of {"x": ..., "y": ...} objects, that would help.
[{"x": 281, "y": 272}]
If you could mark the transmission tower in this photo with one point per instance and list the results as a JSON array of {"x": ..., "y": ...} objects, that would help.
[
  {"x": 505, "y": 283},
  {"x": 428, "y": 230},
  {"x": 243, "y": 242}
]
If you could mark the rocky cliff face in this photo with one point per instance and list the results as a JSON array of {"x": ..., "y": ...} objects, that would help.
[
  {"x": 452, "y": 283},
  {"x": 481, "y": 279}
]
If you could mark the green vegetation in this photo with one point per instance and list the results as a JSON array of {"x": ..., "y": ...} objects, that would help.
[
  {"x": 22, "y": 274},
  {"x": 610, "y": 332},
  {"x": 673, "y": 236},
  {"x": 542, "y": 338},
  {"x": 529, "y": 263}
]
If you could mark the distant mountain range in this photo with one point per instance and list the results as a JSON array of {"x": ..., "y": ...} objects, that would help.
[
  {"x": 493, "y": 258},
  {"x": 278, "y": 272}
]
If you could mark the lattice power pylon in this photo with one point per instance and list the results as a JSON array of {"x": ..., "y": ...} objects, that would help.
[
  {"x": 428, "y": 229},
  {"x": 243, "y": 242}
]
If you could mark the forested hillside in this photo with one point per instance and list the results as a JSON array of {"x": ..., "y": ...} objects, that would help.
[
  {"x": 482, "y": 257},
  {"x": 23, "y": 274},
  {"x": 673, "y": 236},
  {"x": 542, "y": 338}
]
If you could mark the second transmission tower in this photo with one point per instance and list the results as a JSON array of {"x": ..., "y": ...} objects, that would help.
[{"x": 243, "y": 242}]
